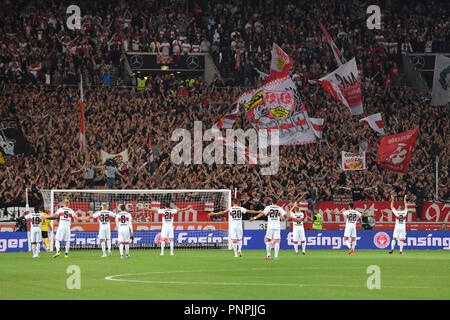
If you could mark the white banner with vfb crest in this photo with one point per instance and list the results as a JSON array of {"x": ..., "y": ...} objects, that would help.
[{"x": 277, "y": 106}]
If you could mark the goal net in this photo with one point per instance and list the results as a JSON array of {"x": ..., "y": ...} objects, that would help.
[{"x": 192, "y": 228}]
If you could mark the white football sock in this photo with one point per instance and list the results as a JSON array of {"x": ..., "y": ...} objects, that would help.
[
  {"x": 392, "y": 244},
  {"x": 268, "y": 248},
  {"x": 277, "y": 248}
]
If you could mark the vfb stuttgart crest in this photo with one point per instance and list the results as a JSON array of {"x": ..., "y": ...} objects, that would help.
[{"x": 381, "y": 240}]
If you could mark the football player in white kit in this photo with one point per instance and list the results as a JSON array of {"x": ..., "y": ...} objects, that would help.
[
  {"x": 65, "y": 215},
  {"x": 274, "y": 214},
  {"x": 400, "y": 224},
  {"x": 235, "y": 213},
  {"x": 124, "y": 230},
  {"x": 36, "y": 219},
  {"x": 104, "y": 231},
  {"x": 167, "y": 224},
  {"x": 351, "y": 217},
  {"x": 298, "y": 231}
]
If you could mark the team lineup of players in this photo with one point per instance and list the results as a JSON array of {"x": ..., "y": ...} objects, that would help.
[{"x": 273, "y": 212}]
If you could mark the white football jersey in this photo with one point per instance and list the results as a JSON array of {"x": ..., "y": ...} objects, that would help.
[
  {"x": 274, "y": 214},
  {"x": 104, "y": 216},
  {"x": 123, "y": 220},
  {"x": 65, "y": 216},
  {"x": 300, "y": 215},
  {"x": 168, "y": 215},
  {"x": 235, "y": 215},
  {"x": 35, "y": 219},
  {"x": 351, "y": 216},
  {"x": 400, "y": 217}
]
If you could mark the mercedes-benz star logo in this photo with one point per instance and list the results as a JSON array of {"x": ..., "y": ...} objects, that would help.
[
  {"x": 192, "y": 62},
  {"x": 136, "y": 61},
  {"x": 419, "y": 62}
]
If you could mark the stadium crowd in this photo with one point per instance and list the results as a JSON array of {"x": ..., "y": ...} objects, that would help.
[{"x": 41, "y": 59}]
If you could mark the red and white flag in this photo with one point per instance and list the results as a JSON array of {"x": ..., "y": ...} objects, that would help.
[
  {"x": 317, "y": 124},
  {"x": 337, "y": 53},
  {"x": 345, "y": 86},
  {"x": 281, "y": 64},
  {"x": 82, "y": 129},
  {"x": 227, "y": 122},
  {"x": 375, "y": 122},
  {"x": 395, "y": 151}
]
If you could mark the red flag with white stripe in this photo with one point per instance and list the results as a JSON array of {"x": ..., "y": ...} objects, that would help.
[
  {"x": 395, "y": 151},
  {"x": 375, "y": 122},
  {"x": 337, "y": 53}
]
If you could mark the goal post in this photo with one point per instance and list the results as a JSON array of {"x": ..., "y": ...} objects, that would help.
[{"x": 192, "y": 228}]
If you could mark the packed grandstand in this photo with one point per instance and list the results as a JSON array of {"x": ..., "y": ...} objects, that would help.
[{"x": 41, "y": 62}]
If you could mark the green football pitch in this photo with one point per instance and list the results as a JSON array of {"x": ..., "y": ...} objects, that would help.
[{"x": 217, "y": 275}]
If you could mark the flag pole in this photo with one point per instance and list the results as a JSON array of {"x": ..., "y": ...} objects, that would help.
[{"x": 82, "y": 129}]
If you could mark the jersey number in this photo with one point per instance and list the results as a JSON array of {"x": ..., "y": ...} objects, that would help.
[
  {"x": 352, "y": 217},
  {"x": 273, "y": 213},
  {"x": 236, "y": 214},
  {"x": 123, "y": 219},
  {"x": 167, "y": 215},
  {"x": 66, "y": 214},
  {"x": 104, "y": 217},
  {"x": 36, "y": 220}
]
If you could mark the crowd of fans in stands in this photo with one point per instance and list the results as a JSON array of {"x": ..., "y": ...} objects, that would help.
[{"x": 39, "y": 56}]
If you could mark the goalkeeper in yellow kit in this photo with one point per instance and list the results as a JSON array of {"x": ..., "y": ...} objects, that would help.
[{"x": 44, "y": 229}]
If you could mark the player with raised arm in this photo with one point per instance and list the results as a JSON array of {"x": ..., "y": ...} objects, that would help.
[
  {"x": 298, "y": 231},
  {"x": 235, "y": 213},
  {"x": 124, "y": 230},
  {"x": 274, "y": 214},
  {"x": 400, "y": 224},
  {"x": 104, "y": 232},
  {"x": 167, "y": 224},
  {"x": 65, "y": 215},
  {"x": 351, "y": 217},
  {"x": 36, "y": 219}
]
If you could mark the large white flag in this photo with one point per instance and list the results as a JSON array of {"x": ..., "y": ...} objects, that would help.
[
  {"x": 344, "y": 85},
  {"x": 375, "y": 122},
  {"x": 278, "y": 108},
  {"x": 441, "y": 81}
]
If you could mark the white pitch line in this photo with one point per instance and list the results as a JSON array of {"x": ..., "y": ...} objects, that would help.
[{"x": 113, "y": 278}]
